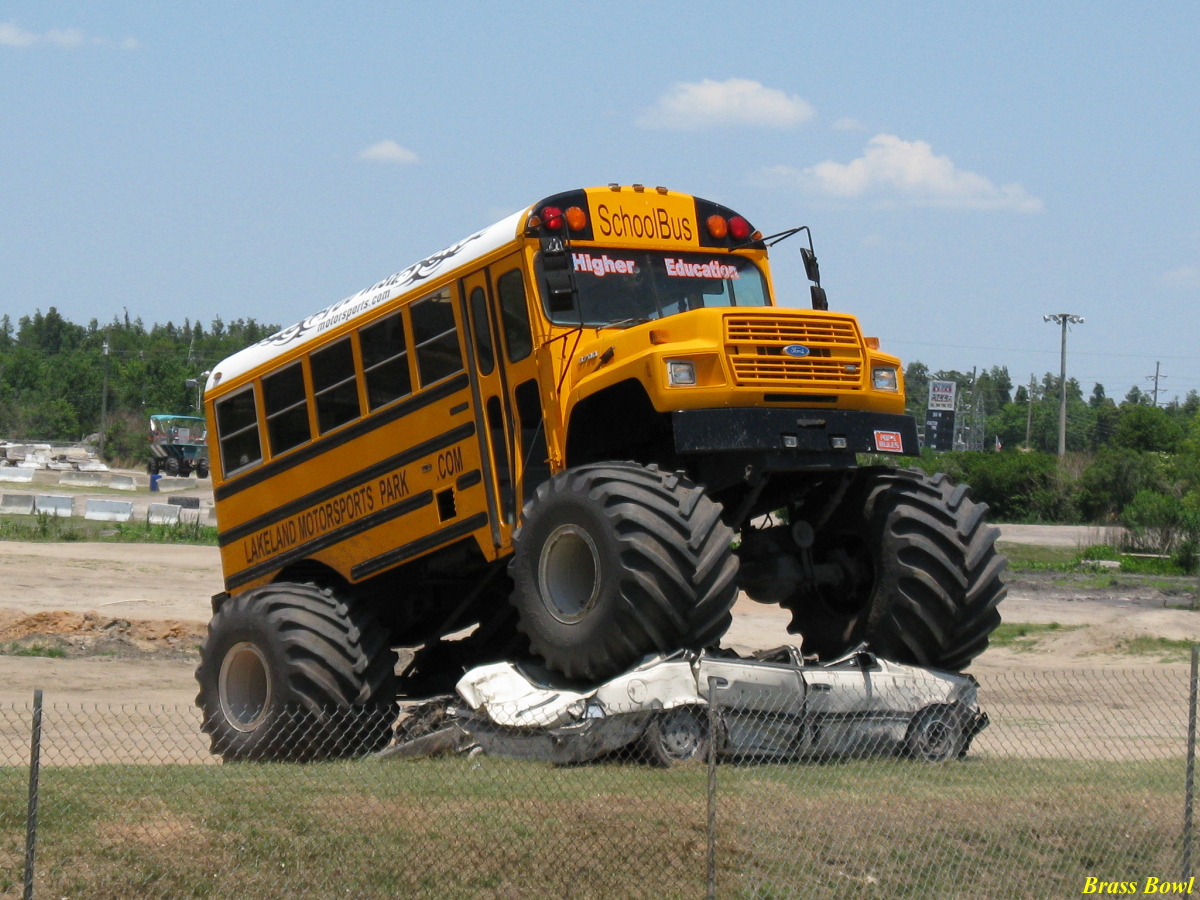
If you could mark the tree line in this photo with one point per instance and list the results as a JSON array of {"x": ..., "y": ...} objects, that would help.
[
  {"x": 1128, "y": 461},
  {"x": 52, "y": 374}
]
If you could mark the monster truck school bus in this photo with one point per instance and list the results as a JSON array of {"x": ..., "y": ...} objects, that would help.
[{"x": 377, "y": 465}]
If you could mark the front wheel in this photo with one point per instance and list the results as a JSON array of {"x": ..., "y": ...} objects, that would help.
[
  {"x": 288, "y": 671},
  {"x": 938, "y": 733},
  {"x": 924, "y": 573},
  {"x": 616, "y": 561}
]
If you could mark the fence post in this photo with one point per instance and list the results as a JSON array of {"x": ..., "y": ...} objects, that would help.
[
  {"x": 1189, "y": 791},
  {"x": 713, "y": 735},
  {"x": 35, "y": 759}
]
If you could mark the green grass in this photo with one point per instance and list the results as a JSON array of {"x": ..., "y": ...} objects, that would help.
[
  {"x": 1025, "y": 635},
  {"x": 1034, "y": 558},
  {"x": 15, "y": 649},
  {"x": 501, "y": 828},
  {"x": 1165, "y": 649},
  {"x": 54, "y": 529}
]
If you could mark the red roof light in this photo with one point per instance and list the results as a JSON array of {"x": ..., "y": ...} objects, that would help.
[
  {"x": 739, "y": 228},
  {"x": 552, "y": 218}
]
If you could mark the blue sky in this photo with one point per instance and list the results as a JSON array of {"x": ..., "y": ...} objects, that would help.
[{"x": 965, "y": 167}]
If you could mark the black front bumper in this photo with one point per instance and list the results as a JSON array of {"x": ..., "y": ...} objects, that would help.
[{"x": 793, "y": 431}]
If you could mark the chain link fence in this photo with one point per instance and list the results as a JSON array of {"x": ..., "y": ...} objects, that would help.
[{"x": 783, "y": 781}]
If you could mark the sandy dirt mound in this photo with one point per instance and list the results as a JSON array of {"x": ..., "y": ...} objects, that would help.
[{"x": 83, "y": 634}]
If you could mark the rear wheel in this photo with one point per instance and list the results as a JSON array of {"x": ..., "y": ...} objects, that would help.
[
  {"x": 616, "y": 561},
  {"x": 676, "y": 735},
  {"x": 923, "y": 574},
  {"x": 288, "y": 671}
]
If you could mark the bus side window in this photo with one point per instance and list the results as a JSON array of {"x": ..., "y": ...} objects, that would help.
[
  {"x": 335, "y": 386},
  {"x": 435, "y": 336},
  {"x": 534, "y": 455},
  {"x": 237, "y": 426},
  {"x": 385, "y": 361},
  {"x": 286, "y": 406},
  {"x": 483, "y": 334},
  {"x": 517, "y": 335}
]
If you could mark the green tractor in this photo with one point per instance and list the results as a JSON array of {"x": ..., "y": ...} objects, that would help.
[{"x": 178, "y": 446}]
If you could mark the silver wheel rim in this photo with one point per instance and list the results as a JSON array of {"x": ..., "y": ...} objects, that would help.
[
  {"x": 245, "y": 686},
  {"x": 681, "y": 734},
  {"x": 938, "y": 738},
  {"x": 569, "y": 573}
]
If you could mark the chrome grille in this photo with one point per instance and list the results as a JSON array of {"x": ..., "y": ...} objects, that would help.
[{"x": 754, "y": 346}]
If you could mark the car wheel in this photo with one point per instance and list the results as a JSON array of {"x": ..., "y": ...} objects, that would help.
[
  {"x": 937, "y": 733},
  {"x": 172, "y": 465},
  {"x": 676, "y": 735},
  {"x": 615, "y": 561},
  {"x": 201, "y": 470}
]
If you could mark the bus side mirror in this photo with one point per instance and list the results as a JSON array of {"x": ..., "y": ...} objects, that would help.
[
  {"x": 819, "y": 301},
  {"x": 556, "y": 269},
  {"x": 811, "y": 268}
]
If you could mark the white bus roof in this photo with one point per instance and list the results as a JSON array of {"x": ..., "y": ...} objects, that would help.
[{"x": 356, "y": 306}]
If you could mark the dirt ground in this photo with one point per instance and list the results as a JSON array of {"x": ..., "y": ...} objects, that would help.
[{"x": 127, "y": 618}]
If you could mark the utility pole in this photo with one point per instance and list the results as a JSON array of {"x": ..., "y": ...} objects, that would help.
[
  {"x": 1029, "y": 414},
  {"x": 1063, "y": 319},
  {"x": 1157, "y": 375},
  {"x": 104, "y": 402}
]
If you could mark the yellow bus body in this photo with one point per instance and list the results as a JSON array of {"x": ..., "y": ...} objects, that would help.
[{"x": 432, "y": 467}]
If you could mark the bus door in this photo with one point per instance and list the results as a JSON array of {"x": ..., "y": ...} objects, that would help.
[
  {"x": 510, "y": 308},
  {"x": 493, "y": 416}
]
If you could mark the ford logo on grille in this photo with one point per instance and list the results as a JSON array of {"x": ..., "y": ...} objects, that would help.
[{"x": 796, "y": 350}]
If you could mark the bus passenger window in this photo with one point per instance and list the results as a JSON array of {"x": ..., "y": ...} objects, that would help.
[
  {"x": 287, "y": 409},
  {"x": 436, "y": 338},
  {"x": 483, "y": 334},
  {"x": 335, "y": 387},
  {"x": 385, "y": 361},
  {"x": 517, "y": 335},
  {"x": 237, "y": 428}
]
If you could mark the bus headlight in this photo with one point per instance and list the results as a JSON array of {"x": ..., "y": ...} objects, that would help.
[
  {"x": 680, "y": 373},
  {"x": 884, "y": 379}
]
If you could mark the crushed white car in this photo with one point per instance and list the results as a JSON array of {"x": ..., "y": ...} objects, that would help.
[{"x": 775, "y": 705}]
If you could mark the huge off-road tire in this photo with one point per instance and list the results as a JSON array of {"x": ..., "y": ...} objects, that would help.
[
  {"x": 928, "y": 573},
  {"x": 615, "y": 561},
  {"x": 289, "y": 671}
]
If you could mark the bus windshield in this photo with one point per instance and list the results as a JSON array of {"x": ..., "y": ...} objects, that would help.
[{"x": 629, "y": 286}]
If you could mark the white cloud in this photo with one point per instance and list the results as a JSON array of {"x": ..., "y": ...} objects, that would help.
[
  {"x": 1183, "y": 277},
  {"x": 64, "y": 37},
  {"x": 13, "y": 35},
  {"x": 130, "y": 43},
  {"x": 738, "y": 101},
  {"x": 847, "y": 124},
  {"x": 894, "y": 171},
  {"x": 388, "y": 151}
]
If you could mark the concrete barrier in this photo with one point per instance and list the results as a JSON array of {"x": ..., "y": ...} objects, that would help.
[
  {"x": 123, "y": 483},
  {"x": 16, "y": 475},
  {"x": 54, "y": 505},
  {"x": 167, "y": 483},
  {"x": 185, "y": 502},
  {"x": 81, "y": 479},
  {"x": 108, "y": 510},
  {"x": 16, "y": 504},
  {"x": 163, "y": 514}
]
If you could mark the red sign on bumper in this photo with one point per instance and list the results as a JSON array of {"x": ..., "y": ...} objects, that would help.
[{"x": 888, "y": 442}]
